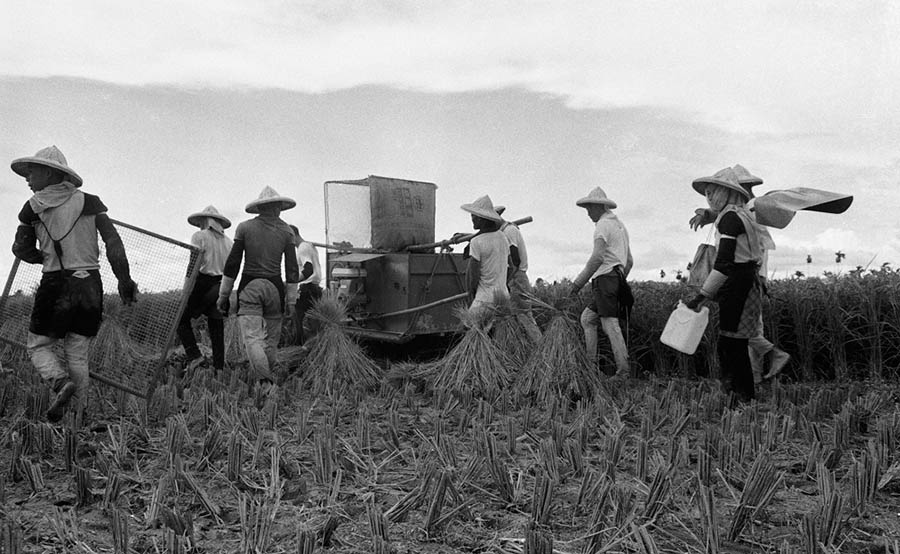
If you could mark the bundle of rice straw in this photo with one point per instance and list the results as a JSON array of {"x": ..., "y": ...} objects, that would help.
[
  {"x": 112, "y": 348},
  {"x": 476, "y": 365},
  {"x": 510, "y": 336},
  {"x": 559, "y": 364},
  {"x": 335, "y": 360}
]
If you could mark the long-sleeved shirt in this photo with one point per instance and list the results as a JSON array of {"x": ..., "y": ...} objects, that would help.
[
  {"x": 66, "y": 230},
  {"x": 739, "y": 242}
]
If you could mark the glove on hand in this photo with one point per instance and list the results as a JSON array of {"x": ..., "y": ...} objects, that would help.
[
  {"x": 223, "y": 304},
  {"x": 695, "y": 302},
  {"x": 128, "y": 291}
]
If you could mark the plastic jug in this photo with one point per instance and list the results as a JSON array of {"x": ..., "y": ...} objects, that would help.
[{"x": 684, "y": 329}]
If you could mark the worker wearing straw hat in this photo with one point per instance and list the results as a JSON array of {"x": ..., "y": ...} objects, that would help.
[
  {"x": 309, "y": 289},
  {"x": 58, "y": 228},
  {"x": 734, "y": 280},
  {"x": 759, "y": 345},
  {"x": 262, "y": 243},
  {"x": 489, "y": 256},
  {"x": 518, "y": 284},
  {"x": 606, "y": 269},
  {"x": 214, "y": 248}
]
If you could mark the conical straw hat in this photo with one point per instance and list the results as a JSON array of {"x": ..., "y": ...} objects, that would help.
[
  {"x": 746, "y": 178},
  {"x": 596, "y": 196},
  {"x": 483, "y": 207},
  {"x": 269, "y": 196},
  {"x": 50, "y": 157},
  {"x": 725, "y": 178},
  {"x": 196, "y": 219}
]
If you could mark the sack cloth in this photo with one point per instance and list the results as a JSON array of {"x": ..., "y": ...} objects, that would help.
[
  {"x": 702, "y": 264},
  {"x": 777, "y": 208}
]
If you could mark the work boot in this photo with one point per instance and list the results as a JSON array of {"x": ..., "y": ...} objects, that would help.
[{"x": 64, "y": 389}]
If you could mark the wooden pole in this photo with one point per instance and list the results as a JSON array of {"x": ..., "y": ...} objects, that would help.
[{"x": 459, "y": 239}]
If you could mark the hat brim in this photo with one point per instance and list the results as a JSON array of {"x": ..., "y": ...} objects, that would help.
[
  {"x": 286, "y": 204},
  {"x": 700, "y": 186},
  {"x": 20, "y": 166},
  {"x": 480, "y": 212},
  {"x": 197, "y": 219},
  {"x": 587, "y": 201}
]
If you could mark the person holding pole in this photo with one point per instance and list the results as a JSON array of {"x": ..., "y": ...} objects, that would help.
[{"x": 58, "y": 228}]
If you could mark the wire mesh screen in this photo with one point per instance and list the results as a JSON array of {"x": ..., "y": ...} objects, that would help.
[{"x": 130, "y": 349}]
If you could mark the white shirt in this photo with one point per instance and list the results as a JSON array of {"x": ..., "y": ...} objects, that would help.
[
  {"x": 492, "y": 252},
  {"x": 306, "y": 252},
  {"x": 215, "y": 249},
  {"x": 514, "y": 236},
  {"x": 613, "y": 233}
]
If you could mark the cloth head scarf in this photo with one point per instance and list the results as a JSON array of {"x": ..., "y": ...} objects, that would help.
[
  {"x": 51, "y": 196},
  {"x": 214, "y": 225},
  {"x": 720, "y": 197}
]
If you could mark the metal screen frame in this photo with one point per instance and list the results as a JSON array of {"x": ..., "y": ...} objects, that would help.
[{"x": 157, "y": 371}]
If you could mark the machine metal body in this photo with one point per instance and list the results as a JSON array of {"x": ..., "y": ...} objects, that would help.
[{"x": 392, "y": 294}]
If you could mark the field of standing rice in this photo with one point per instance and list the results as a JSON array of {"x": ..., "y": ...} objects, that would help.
[{"x": 490, "y": 448}]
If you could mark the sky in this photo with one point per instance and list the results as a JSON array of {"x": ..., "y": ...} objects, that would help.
[{"x": 165, "y": 107}]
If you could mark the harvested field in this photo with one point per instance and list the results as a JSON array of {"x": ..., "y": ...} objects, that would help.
[
  {"x": 551, "y": 457},
  {"x": 643, "y": 466}
]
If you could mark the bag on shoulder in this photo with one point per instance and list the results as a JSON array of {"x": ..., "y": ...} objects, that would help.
[{"x": 702, "y": 264}]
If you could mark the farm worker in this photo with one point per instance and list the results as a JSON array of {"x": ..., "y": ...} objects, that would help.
[
  {"x": 486, "y": 272},
  {"x": 68, "y": 304},
  {"x": 261, "y": 243},
  {"x": 734, "y": 280},
  {"x": 518, "y": 284},
  {"x": 214, "y": 249},
  {"x": 309, "y": 289},
  {"x": 606, "y": 269},
  {"x": 758, "y": 344}
]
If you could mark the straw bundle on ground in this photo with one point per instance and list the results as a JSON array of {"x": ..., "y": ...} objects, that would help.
[
  {"x": 112, "y": 348},
  {"x": 511, "y": 337},
  {"x": 559, "y": 365},
  {"x": 335, "y": 360},
  {"x": 476, "y": 365}
]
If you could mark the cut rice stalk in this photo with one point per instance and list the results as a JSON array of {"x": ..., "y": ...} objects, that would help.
[
  {"x": 559, "y": 366},
  {"x": 474, "y": 367},
  {"x": 336, "y": 361}
]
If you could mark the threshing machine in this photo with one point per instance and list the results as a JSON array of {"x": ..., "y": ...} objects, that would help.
[{"x": 383, "y": 263}]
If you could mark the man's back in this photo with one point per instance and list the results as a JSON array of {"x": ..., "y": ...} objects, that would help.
[
  {"x": 265, "y": 240},
  {"x": 491, "y": 250}
]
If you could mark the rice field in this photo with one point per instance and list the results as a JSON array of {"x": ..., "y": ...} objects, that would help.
[{"x": 490, "y": 448}]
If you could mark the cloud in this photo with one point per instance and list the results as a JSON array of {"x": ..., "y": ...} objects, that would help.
[{"x": 761, "y": 67}]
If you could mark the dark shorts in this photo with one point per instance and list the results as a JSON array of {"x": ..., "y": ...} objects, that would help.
[
  {"x": 68, "y": 302},
  {"x": 309, "y": 293},
  {"x": 605, "y": 295},
  {"x": 202, "y": 300}
]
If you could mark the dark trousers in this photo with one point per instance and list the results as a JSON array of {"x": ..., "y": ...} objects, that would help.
[
  {"x": 202, "y": 301},
  {"x": 308, "y": 294},
  {"x": 736, "y": 371}
]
